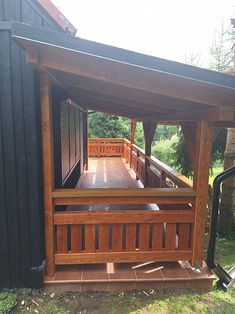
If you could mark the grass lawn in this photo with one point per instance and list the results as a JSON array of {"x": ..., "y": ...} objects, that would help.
[{"x": 164, "y": 302}]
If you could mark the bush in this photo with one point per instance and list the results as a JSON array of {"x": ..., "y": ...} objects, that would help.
[{"x": 163, "y": 150}]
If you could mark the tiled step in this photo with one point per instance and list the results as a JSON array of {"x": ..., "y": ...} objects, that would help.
[{"x": 128, "y": 277}]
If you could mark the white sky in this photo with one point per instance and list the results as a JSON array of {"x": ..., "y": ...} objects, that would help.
[{"x": 163, "y": 28}]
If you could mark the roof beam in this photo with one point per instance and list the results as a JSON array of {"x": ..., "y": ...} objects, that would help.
[
  {"x": 216, "y": 114},
  {"x": 134, "y": 76},
  {"x": 109, "y": 103},
  {"x": 111, "y": 111},
  {"x": 134, "y": 95}
]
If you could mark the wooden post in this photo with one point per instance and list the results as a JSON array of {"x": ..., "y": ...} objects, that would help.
[
  {"x": 149, "y": 131},
  {"x": 48, "y": 170},
  {"x": 202, "y": 157},
  {"x": 189, "y": 132},
  {"x": 132, "y": 138},
  {"x": 87, "y": 132}
]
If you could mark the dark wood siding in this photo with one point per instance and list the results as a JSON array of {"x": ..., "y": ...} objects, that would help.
[{"x": 21, "y": 193}]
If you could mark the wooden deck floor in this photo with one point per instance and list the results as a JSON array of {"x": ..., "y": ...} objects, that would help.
[{"x": 109, "y": 173}]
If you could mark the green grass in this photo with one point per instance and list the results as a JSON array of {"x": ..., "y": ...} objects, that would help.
[{"x": 8, "y": 300}]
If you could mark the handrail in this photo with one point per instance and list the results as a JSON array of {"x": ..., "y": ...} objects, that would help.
[
  {"x": 171, "y": 173},
  {"x": 226, "y": 279},
  {"x": 123, "y": 196}
]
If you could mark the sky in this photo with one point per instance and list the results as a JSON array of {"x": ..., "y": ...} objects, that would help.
[{"x": 169, "y": 29}]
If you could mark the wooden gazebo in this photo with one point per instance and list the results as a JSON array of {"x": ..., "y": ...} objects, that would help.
[{"x": 141, "y": 88}]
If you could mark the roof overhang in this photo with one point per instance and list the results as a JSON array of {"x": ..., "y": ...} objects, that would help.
[{"x": 129, "y": 84}]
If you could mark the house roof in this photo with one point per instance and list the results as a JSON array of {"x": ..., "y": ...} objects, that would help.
[
  {"x": 57, "y": 16},
  {"x": 130, "y": 84}
]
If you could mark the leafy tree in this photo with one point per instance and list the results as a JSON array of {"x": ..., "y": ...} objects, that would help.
[{"x": 105, "y": 125}]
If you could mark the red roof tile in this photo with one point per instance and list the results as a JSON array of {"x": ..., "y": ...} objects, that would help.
[{"x": 58, "y": 16}]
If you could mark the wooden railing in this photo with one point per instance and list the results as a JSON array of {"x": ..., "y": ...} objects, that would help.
[
  {"x": 126, "y": 235},
  {"x": 123, "y": 235},
  {"x": 106, "y": 147},
  {"x": 160, "y": 174}
]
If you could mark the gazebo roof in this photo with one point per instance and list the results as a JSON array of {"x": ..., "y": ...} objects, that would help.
[{"x": 126, "y": 83}]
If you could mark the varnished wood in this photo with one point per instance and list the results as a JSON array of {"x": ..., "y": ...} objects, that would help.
[
  {"x": 89, "y": 238},
  {"x": 200, "y": 184},
  {"x": 157, "y": 236},
  {"x": 130, "y": 236},
  {"x": 189, "y": 132},
  {"x": 170, "y": 236},
  {"x": 117, "y": 236},
  {"x": 149, "y": 131},
  {"x": 48, "y": 178},
  {"x": 122, "y": 192},
  {"x": 122, "y": 257},
  {"x": 144, "y": 230},
  {"x": 76, "y": 62},
  {"x": 123, "y": 216},
  {"x": 216, "y": 114},
  {"x": 76, "y": 238},
  {"x": 184, "y": 236},
  {"x": 62, "y": 239},
  {"x": 103, "y": 237}
]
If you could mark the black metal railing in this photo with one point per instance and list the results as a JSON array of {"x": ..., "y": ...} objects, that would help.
[{"x": 226, "y": 279}]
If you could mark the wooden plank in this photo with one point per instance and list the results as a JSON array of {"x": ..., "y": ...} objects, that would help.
[
  {"x": 157, "y": 236},
  {"x": 184, "y": 236},
  {"x": 89, "y": 238},
  {"x": 123, "y": 196},
  {"x": 148, "y": 100},
  {"x": 121, "y": 257},
  {"x": 62, "y": 239},
  {"x": 130, "y": 236},
  {"x": 170, "y": 237},
  {"x": 123, "y": 216},
  {"x": 120, "y": 192},
  {"x": 116, "y": 99},
  {"x": 48, "y": 180},
  {"x": 76, "y": 238},
  {"x": 117, "y": 236},
  {"x": 123, "y": 200},
  {"x": 200, "y": 183},
  {"x": 178, "y": 178},
  {"x": 104, "y": 238},
  {"x": 144, "y": 237}
]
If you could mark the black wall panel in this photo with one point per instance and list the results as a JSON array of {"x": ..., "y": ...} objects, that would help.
[{"x": 21, "y": 189}]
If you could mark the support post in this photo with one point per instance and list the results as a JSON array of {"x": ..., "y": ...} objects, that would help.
[
  {"x": 87, "y": 133},
  {"x": 48, "y": 170},
  {"x": 149, "y": 131},
  {"x": 132, "y": 138},
  {"x": 202, "y": 158},
  {"x": 189, "y": 132}
]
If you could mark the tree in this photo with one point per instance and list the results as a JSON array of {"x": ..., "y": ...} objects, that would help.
[
  {"x": 222, "y": 56},
  {"x": 105, "y": 125},
  {"x": 227, "y": 204}
]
